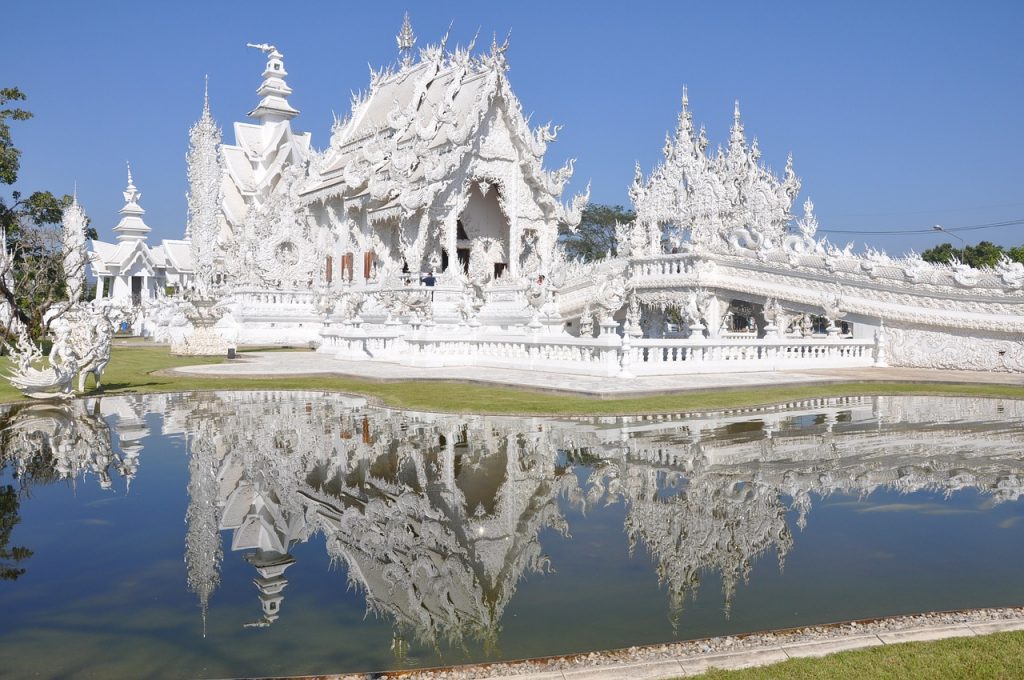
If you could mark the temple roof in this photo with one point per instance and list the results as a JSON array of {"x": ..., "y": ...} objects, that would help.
[
  {"x": 117, "y": 258},
  {"x": 418, "y": 122}
]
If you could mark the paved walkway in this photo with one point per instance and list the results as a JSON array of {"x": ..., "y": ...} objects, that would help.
[
  {"x": 269, "y": 364},
  {"x": 688, "y": 658}
]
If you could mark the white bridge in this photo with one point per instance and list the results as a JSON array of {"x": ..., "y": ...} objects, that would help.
[{"x": 677, "y": 314}]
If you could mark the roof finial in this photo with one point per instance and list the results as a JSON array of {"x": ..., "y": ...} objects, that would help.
[
  {"x": 498, "y": 51},
  {"x": 406, "y": 40},
  {"x": 74, "y": 194},
  {"x": 206, "y": 93},
  {"x": 686, "y": 98},
  {"x": 274, "y": 106},
  {"x": 736, "y": 138},
  {"x": 131, "y": 226},
  {"x": 444, "y": 40}
]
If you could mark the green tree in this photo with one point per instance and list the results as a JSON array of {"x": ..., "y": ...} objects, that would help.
[
  {"x": 944, "y": 252},
  {"x": 1016, "y": 254},
  {"x": 984, "y": 254},
  {"x": 31, "y": 226},
  {"x": 595, "y": 237}
]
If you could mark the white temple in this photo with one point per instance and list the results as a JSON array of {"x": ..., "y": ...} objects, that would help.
[
  {"x": 435, "y": 177},
  {"x": 130, "y": 270}
]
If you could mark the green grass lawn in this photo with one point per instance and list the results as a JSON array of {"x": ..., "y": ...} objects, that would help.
[
  {"x": 136, "y": 369},
  {"x": 1000, "y": 655}
]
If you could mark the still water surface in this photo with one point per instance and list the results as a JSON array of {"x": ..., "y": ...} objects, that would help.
[{"x": 260, "y": 533}]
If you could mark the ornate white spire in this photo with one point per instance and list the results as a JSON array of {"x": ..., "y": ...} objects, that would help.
[
  {"x": 205, "y": 172},
  {"x": 273, "y": 106},
  {"x": 131, "y": 227},
  {"x": 73, "y": 245},
  {"x": 808, "y": 224},
  {"x": 736, "y": 136},
  {"x": 406, "y": 40}
]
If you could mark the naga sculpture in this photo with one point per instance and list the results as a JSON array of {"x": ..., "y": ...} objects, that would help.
[{"x": 81, "y": 332}]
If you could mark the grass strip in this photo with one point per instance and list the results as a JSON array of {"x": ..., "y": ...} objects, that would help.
[
  {"x": 138, "y": 369},
  {"x": 999, "y": 655}
]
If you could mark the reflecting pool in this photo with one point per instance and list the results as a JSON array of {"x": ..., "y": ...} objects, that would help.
[{"x": 262, "y": 533}]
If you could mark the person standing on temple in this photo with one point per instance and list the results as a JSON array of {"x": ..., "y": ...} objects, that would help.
[{"x": 429, "y": 279}]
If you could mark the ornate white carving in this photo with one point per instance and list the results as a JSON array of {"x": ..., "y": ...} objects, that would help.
[
  {"x": 205, "y": 173},
  {"x": 729, "y": 199},
  {"x": 948, "y": 349},
  {"x": 75, "y": 257},
  {"x": 204, "y": 340}
]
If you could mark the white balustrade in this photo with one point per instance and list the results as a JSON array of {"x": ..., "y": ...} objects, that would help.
[
  {"x": 666, "y": 357},
  {"x": 603, "y": 356},
  {"x": 659, "y": 266}
]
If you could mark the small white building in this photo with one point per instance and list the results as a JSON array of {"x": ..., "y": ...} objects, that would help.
[{"x": 130, "y": 270}]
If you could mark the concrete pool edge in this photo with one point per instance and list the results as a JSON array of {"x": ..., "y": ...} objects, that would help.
[{"x": 693, "y": 657}]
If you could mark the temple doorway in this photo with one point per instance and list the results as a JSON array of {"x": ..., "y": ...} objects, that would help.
[
  {"x": 136, "y": 290},
  {"x": 483, "y": 221}
]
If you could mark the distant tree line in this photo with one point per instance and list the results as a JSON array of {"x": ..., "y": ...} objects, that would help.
[{"x": 984, "y": 254}]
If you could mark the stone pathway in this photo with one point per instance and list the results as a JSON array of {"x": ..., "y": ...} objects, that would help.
[
  {"x": 694, "y": 657},
  {"x": 269, "y": 364}
]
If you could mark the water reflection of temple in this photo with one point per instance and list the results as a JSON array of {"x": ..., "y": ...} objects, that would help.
[
  {"x": 96, "y": 437},
  {"x": 436, "y": 518}
]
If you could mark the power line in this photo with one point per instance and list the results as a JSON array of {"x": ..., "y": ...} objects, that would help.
[{"x": 929, "y": 230}]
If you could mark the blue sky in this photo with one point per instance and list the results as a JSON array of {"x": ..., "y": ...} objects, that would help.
[{"x": 899, "y": 115}]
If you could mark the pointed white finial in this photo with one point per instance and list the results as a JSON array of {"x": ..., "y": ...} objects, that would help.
[
  {"x": 206, "y": 93},
  {"x": 273, "y": 106},
  {"x": 406, "y": 40},
  {"x": 74, "y": 194},
  {"x": 736, "y": 139},
  {"x": 686, "y": 98},
  {"x": 131, "y": 226},
  {"x": 444, "y": 40}
]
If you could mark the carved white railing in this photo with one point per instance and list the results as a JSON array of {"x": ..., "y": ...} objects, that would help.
[
  {"x": 607, "y": 355},
  {"x": 561, "y": 354},
  {"x": 889, "y": 272},
  {"x": 662, "y": 265},
  {"x": 659, "y": 357},
  {"x": 279, "y": 304}
]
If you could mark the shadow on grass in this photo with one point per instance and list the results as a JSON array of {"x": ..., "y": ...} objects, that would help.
[{"x": 123, "y": 387}]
